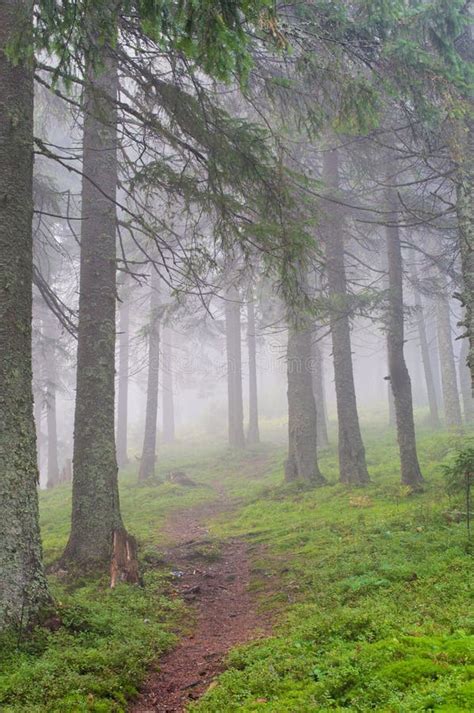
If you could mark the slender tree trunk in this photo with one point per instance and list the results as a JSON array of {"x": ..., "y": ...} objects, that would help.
[
  {"x": 465, "y": 215},
  {"x": 253, "y": 434},
  {"x": 23, "y": 588},
  {"x": 463, "y": 159},
  {"x": 122, "y": 399},
  {"x": 38, "y": 417},
  {"x": 97, "y": 533},
  {"x": 425, "y": 357},
  {"x": 452, "y": 407},
  {"x": 38, "y": 403},
  {"x": 391, "y": 406},
  {"x": 414, "y": 365},
  {"x": 431, "y": 335},
  {"x": 168, "y": 394},
  {"x": 234, "y": 369},
  {"x": 352, "y": 465},
  {"x": 302, "y": 463},
  {"x": 399, "y": 376},
  {"x": 319, "y": 393},
  {"x": 51, "y": 336},
  {"x": 148, "y": 459},
  {"x": 465, "y": 382}
]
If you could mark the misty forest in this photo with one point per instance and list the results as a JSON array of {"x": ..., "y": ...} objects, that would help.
[{"x": 236, "y": 356}]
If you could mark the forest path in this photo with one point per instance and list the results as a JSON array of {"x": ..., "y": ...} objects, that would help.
[{"x": 213, "y": 578}]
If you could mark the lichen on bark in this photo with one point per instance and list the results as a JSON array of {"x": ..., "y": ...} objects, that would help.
[{"x": 23, "y": 587}]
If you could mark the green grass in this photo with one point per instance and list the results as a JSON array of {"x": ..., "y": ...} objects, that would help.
[
  {"x": 375, "y": 590},
  {"x": 369, "y": 588},
  {"x": 109, "y": 638}
]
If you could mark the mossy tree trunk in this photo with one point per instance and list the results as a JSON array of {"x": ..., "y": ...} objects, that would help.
[
  {"x": 253, "y": 433},
  {"x": 96, "y": 517},
  {"x": 23, "y": 588},
  {"x": 352, "y": 464},
  {"x": 465, "y": 215},
  {"x": 234, "y": 369},
  {"x": 465, "y": 382},
  {"x": 148, "y": 459},
  {"x": 122, "y": 396},
  {"x": 462, "y": 145},
  {"x": 399, "y": 376},
  {"x": 302, "y": 462}
]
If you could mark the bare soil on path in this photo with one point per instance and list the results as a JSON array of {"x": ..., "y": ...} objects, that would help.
[{"x": 216, "y": 586}]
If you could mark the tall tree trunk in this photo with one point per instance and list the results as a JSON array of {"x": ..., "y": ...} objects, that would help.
[
  {"x": 432, "y": 338},
  {"x": 51, "y": 336},
  {"x": 253, "y": 433},
  {"x": 302, "y": 463},
  {"x": 38, "y": 403},
  {"x": 452, "y": 407},
  {"x": 168, "y": 393},
  {"x": 399, "y": 376},
  {"x": 352, "y": 464},
  {"x": 122, "y": 398},
  {"x": 234, "y": 369},
  {"x": 463, "y": 159},
  {"x": 425, "y": 356},
  {"x": 319, "y": 393},
  {"x": 97, "y": 530},
  {"x": 23, "y": 588},
  {"x": 465, "y": 382},
  {"x": 391, "y": 405},
  {"x": 148, "y": 459},
  {"x": 465, "y": 216}
]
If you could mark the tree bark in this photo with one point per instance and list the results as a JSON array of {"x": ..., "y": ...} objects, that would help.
[
  {"x": 465, "y": 382},
  {"x": 168, "y": 394},
  {"x": 253, "y": 433},
  {"x": 399, "y": 376},
  {"x": 234, "y": 369},
  {"x": 51, "y": 335},
  {"x": 352, "y": 464},
  {"x": 452, "y": 407},
  {"x": 465, "y": 216},
  {"x": 122, "y": 398},
  {"x": 148, "y": 459},
  {"x": 96, "y": 514},
  {"x": 425, "y": 357},
  {"x": 302, "y": 462},
  {"x": 391, "y": 405},
  {"x": 23, "y": 588},
  {"x": 463, "y": 159}
]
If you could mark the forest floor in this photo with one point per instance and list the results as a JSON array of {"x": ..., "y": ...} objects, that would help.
[
  {"x": 214, "y": 579},
  {"x": 263, "y": 597}
]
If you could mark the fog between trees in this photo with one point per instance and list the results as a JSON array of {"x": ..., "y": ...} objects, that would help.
[{"x": 241, "y": 219}]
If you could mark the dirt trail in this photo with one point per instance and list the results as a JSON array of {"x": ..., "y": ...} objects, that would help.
[{"x": 224, "y": 610}]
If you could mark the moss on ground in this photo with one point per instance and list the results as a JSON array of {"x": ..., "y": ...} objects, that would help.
[
  {"x": 371, "y": 588},
  {"x": 377, "y": 590}
]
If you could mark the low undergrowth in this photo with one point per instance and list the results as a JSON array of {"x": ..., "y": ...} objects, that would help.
[
  {"x": 375, "y": 587},
  {"x": 107, "y": 639},
  {"x": 97, "y": 657},
  {"x": 370, "y": 588}
]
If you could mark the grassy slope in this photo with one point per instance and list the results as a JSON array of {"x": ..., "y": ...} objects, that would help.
[
  {"x": 372, "y": 588},
  {"x": 375, "y": 586}
]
